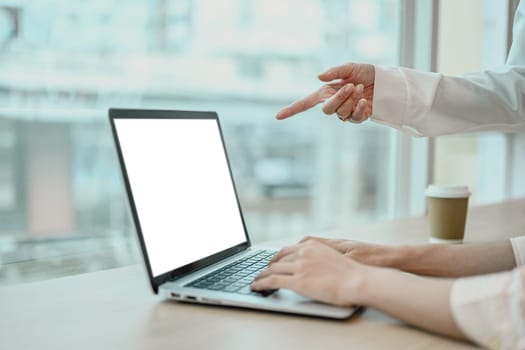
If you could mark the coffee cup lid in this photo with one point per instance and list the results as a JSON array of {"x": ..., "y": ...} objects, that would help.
[{"x": 447, "y": 191}]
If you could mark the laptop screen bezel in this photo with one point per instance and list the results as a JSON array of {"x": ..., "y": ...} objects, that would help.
[{"x": 156, "y": 281}]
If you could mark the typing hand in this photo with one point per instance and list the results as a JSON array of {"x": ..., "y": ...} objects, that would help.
[
  {"x": 365, "y": 253},
  {"x": 314, "y": 270}
]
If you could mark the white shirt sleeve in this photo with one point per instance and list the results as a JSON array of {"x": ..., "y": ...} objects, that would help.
[
  {"x": 490, "y": 309},
  {"x": 431, "y": 104}
]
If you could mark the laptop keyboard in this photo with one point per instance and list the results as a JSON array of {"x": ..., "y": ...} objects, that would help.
[{"x": 237, "y": 276}]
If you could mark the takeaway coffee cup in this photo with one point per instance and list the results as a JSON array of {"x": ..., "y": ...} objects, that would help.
[{"x": 447, "y": 212}]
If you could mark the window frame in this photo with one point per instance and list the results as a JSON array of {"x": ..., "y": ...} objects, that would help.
[{"x": 413, "y": 158}]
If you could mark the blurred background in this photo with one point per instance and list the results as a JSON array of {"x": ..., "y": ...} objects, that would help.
[{"x": 63, "y": 63}]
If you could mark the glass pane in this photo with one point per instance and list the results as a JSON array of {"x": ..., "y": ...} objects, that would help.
[
  {"x": 471, "y": 36},
  {"x": 63, "y": 63}
]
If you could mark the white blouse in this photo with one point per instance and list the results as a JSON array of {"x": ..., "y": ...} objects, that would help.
[
  {"x": 490, "y": 309},
  {"x": 431, "y": 104}
]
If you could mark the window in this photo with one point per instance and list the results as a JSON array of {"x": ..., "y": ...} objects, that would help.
[
  {"x": 474, "y": 35},
  {"x": 63, "y": 63}
]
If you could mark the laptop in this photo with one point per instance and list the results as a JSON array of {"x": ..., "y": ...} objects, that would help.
[{"x": 187, "y": 214}]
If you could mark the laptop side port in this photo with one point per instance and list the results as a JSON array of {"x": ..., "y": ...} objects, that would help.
[
  {"x": 189, "y": 297},
  {"x": 175, "y": 295}
]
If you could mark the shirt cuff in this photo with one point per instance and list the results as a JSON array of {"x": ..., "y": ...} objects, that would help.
[
  {"x": 390, "y": 97},
  {"x": 487, "y": 308},
  {"x": 518, "y": 247}
]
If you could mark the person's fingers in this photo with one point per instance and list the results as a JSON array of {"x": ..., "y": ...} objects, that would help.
[
  {"x": 325, "y": 241},
  {"x": 346, "y": 109},
  {"x": 298, "y": 106},
  {"x": 289, "y": 253},
  {"x": 288, "y": 258},
  {"x": 274, "y": 282},
  {"x": 333, "y": 103},
  {"x": 310, "y": 238},
  {"x": 337, "y": 244},
  {"x": 360, "y": 114},
  {"x": 344, "y": 246},
  {"x": 281, "y": 268},
  {"x": 339, "y": 72},
  {"x": 283, "y": 253},
  {"x": 324, "y": 92}
]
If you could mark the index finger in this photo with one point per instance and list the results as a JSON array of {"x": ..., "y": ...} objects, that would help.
[
  {"x": 309, "y": 101},
  {"x": 299, "y": 106},
  {"x": 315, "y": 238},
  {"x": 285, "y": 251}
]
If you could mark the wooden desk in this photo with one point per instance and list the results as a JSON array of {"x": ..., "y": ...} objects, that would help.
[{"x": 114, "y": 309}]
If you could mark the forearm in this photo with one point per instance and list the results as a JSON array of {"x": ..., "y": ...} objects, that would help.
[
  {"x": 422, "y": 302},
  {"x": 455, "y": 260}
]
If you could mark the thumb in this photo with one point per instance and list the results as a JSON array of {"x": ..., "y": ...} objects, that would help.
[{"x": 344, "y": 71}]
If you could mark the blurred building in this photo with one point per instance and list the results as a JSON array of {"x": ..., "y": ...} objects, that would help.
[{"x": 63, "y": 63}]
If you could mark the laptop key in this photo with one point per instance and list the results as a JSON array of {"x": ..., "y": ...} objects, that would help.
[
  {"x": 232, "y": 288},
  {"x": 245, "y": 291},
  {"x": 213, "y": 287},
  {"x": 237, "y": 275}
]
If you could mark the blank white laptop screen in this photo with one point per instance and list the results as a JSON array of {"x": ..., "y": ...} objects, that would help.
[{"x": 182, "y": 189}]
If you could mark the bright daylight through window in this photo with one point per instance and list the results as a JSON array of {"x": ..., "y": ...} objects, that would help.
[{"x": 63, "y": 63}]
